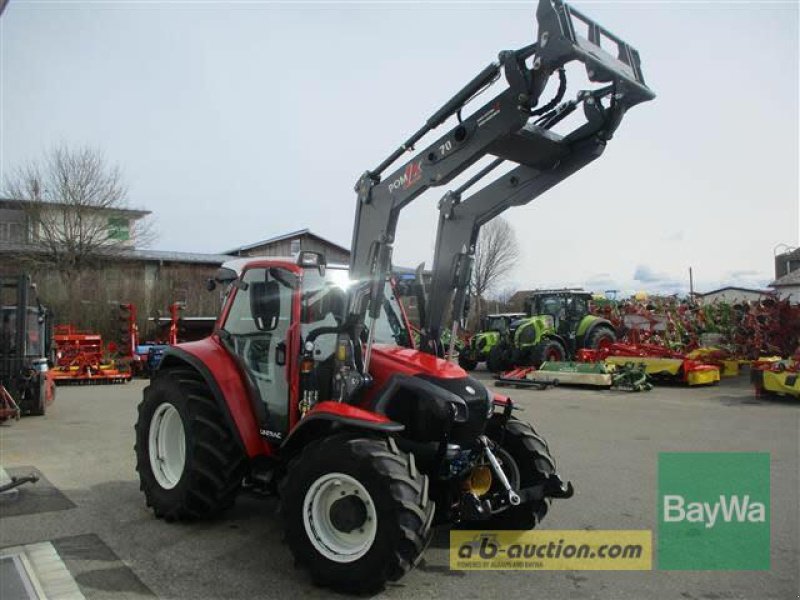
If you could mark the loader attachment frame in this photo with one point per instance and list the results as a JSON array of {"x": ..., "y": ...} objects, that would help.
[{"x": 544, "y": 158}]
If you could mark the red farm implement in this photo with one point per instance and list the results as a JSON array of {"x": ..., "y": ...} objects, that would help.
[{"x": 80, "y": 358}]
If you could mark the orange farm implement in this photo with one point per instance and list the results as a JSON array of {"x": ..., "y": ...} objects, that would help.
[{"x": 80, "y": 358}]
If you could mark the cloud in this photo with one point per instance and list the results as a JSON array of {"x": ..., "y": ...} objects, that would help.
[
  {"x": 676, "y": 236},
  {"x": 658, "y": 282},
  {"x": 744, "y": 274},
  {"x": 645, "y": 274},
  {"x": 600, "y": 281}
]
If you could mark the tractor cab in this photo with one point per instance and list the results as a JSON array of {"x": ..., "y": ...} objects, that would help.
[
  {"x": 566, "y": 307},
  {"x": 279, "y": 308},
  {"x": 500, "y": 322},
  {"x": 25, "y": 342}
]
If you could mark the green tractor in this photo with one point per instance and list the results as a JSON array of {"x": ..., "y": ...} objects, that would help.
[
  {"x": 494, "y": 328},
  {"x": 557, "y": 326}
]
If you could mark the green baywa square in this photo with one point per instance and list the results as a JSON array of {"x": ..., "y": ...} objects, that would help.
[{"x": 714, "y": 511}]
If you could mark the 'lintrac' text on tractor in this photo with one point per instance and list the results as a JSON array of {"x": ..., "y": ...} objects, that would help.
[
  {"x": 494, "y": 329},
  {"x": 310, "y": 385},
  {"x": 557, "y": 326}
]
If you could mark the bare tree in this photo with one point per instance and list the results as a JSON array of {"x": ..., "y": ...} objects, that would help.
[
  {"x": 496, "y": 254},
  {"x": 70, "y": 199}
]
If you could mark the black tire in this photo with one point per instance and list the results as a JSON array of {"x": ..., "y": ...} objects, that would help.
[
  {"x": 215, "y": 464},
  {"x": 498, "y": 359},
  {"x": 400, "y": 495},
  {"x": 548, "y": 349},
  {"x": 467, "y": 363},
  {"x": 533, "y": 463},
  {"x": 38, "y": 404},
  {"x": 600, "y": 336}
]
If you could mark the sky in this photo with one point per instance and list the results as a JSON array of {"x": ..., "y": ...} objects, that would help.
[{"x": 235, "y": 122}]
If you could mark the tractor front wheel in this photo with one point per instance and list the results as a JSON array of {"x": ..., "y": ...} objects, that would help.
[
  {"x": 499, "y": 359},
  {"x": 548, "y": 350},
  {"x": 466, "y": 362},
  {"x": 525, "y": 458},
  {"x": 356, "y": 512},
  {"x": 190, "y": 465}
]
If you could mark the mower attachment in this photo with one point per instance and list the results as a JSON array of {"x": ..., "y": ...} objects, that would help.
[{"x": 560, "y": 42}]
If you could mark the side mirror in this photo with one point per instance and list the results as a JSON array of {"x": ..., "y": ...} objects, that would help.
[{"x": 265, "y": 304}]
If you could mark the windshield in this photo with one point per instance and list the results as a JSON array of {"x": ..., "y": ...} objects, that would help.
[
  {"x": 495, "y": 324},
  {"x": 546, "y": 305},
  {"x": 325, "y": 302}
]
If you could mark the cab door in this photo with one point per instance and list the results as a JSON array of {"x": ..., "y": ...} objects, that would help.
[{"x": 259, "y": 323}]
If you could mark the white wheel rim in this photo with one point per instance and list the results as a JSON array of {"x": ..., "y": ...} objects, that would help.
[
  {"x": 167, "y": 441},
  {"x": 333, "y": 543}
]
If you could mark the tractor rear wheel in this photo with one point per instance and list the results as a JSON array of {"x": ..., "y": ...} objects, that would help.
[
  {"x": 548, "y": 350},
  {"x": 189, "y": 463},
  {"x": 36, "y": 400},
  {"x": 601, "y": 337},
  {"x": 526, "y": 461},
  {"x": 356, "y": 512}
]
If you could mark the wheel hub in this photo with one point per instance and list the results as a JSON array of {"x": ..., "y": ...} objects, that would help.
[{"x": 348, "y": 513}]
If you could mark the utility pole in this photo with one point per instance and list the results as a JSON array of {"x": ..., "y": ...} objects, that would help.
[{"x": 691, "y": 284}]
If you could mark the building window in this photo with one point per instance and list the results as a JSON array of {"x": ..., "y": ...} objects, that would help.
[
  {"x": 118, "y": 229},
  {"x": 295, "y": 247},
  {"x": 11, "y": 232}
]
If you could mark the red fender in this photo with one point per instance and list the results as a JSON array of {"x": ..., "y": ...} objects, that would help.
[{"x": 222, "y": 372}]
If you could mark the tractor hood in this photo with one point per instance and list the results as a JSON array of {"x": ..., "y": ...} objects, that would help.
[{"x": 387, "y": 359}]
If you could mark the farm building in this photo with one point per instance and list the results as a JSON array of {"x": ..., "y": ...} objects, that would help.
[{"x": 291, "y": 244}]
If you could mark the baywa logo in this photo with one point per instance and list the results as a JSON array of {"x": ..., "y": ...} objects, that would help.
[
  {"x": 729, "y": 509},
  {"x": 714, "y": 511}
]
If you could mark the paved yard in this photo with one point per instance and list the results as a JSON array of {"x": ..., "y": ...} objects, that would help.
[{"x": 89, "y": 505}]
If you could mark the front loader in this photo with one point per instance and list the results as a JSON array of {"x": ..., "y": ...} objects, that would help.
[{"x": 310, "y": 385}]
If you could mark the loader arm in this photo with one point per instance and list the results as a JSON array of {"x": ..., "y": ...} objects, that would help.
[
  {"x": 497, "y": 128},
  {"x": 543, "y": 160}
]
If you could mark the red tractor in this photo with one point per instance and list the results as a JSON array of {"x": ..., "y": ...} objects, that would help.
[{"x": 310, "y": 385}]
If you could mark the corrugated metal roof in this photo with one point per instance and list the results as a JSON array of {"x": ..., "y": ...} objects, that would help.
[
  {"x": 792, "y": 278},
  {"x": 169, "y": 256},
  {"x": 286, "y": 236},
  {"x": 732, "y": 287}
]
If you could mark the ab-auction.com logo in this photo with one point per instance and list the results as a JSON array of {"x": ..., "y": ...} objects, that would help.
[{"x": 714, "y": 511}]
